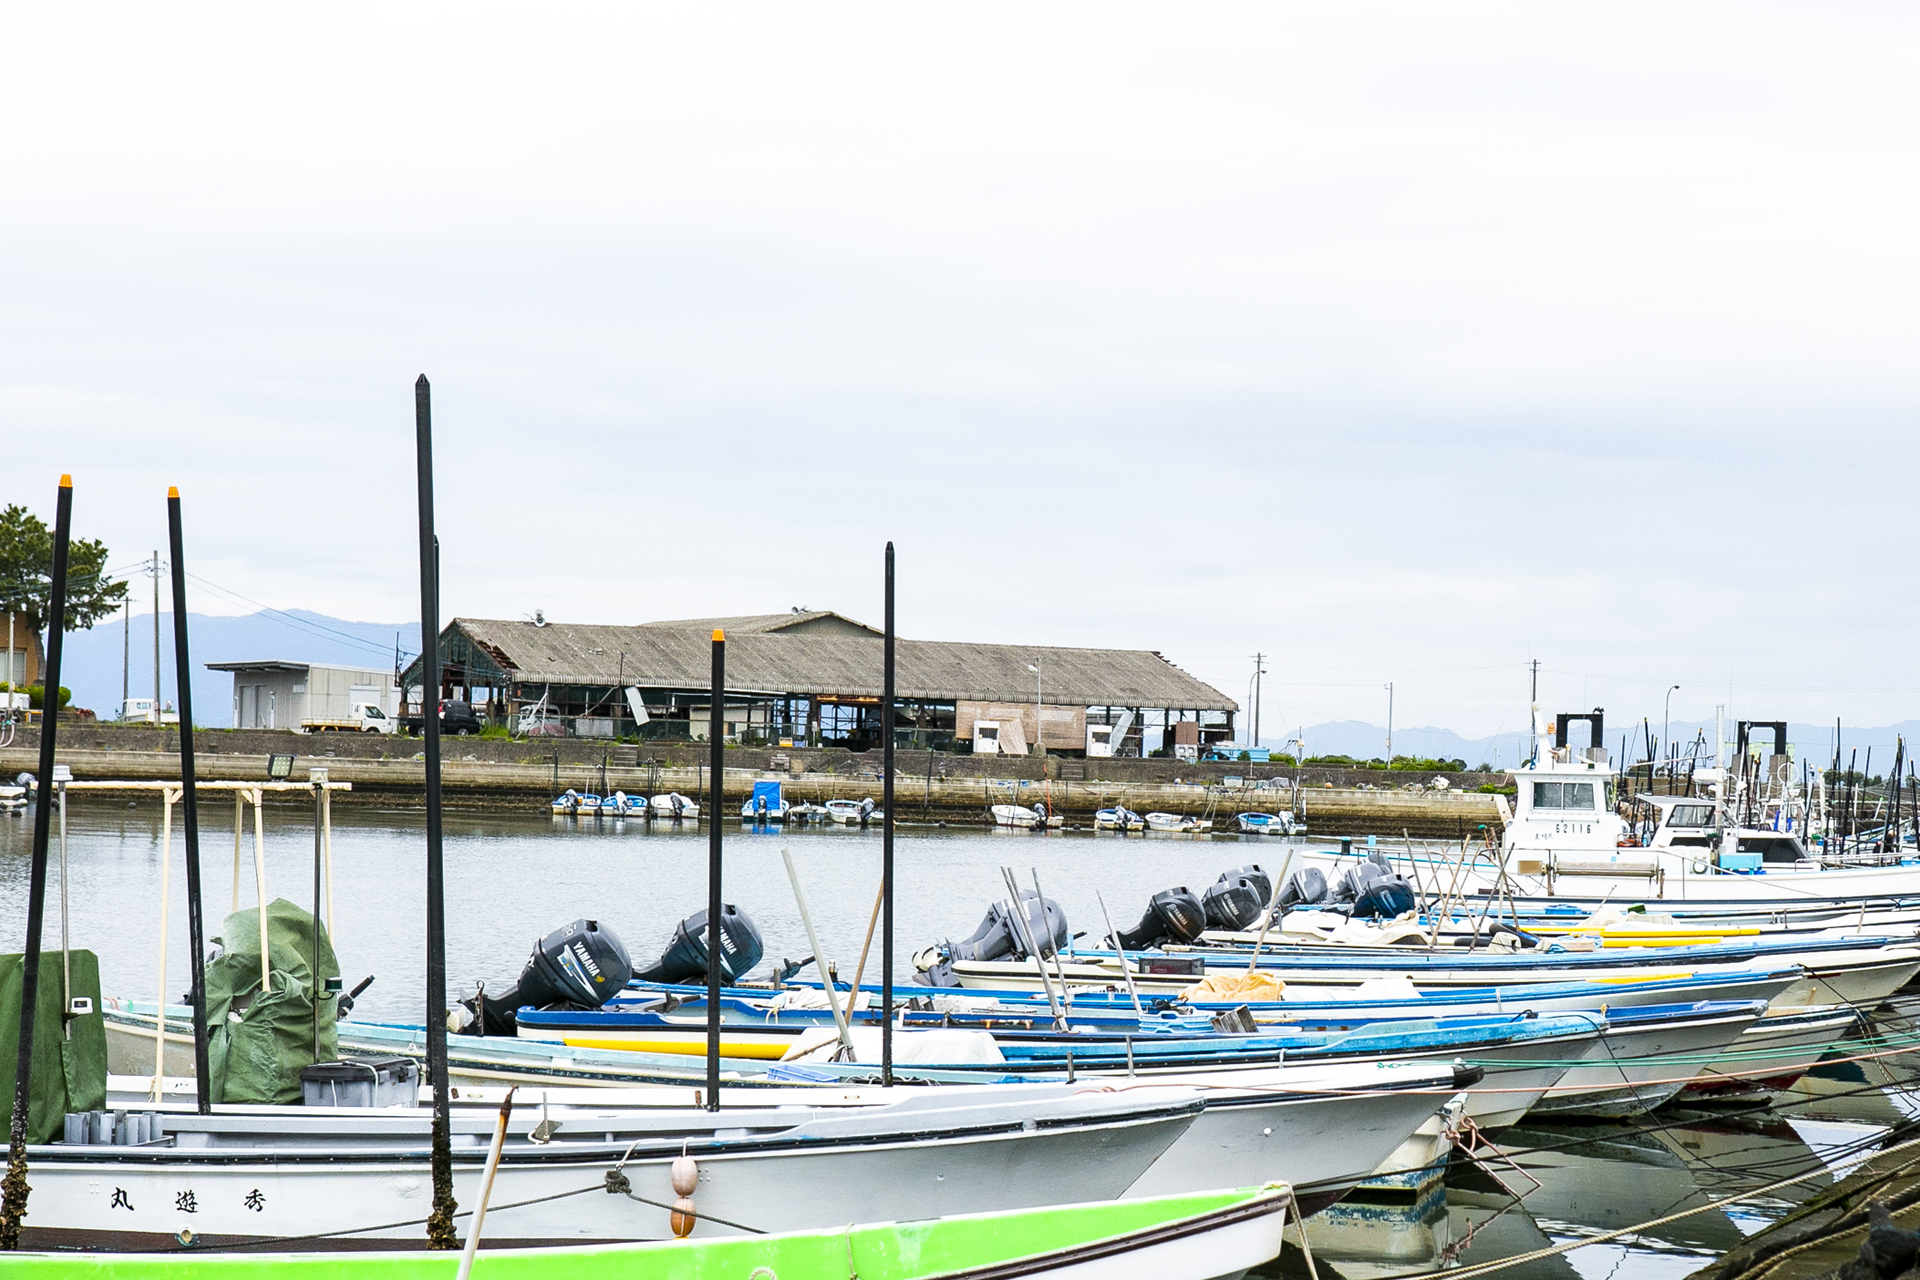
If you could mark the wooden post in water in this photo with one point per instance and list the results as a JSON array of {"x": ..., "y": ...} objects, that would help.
[
  {"x": 886, "y": 841},
  {"x": 190, "y": 811},
  {"x": 14, "y": 1191},
  {"x": 440, "y": 1220},
  {"x": 717, "y": 767}
]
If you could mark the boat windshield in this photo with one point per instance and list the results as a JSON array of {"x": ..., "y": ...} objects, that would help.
[
  {"x": 1691, "y": 815},
  {"x": 1563, "y": 795}
]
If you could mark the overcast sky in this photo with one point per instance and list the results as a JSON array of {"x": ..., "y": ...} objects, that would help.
[{"x": 1399, "y": 342}]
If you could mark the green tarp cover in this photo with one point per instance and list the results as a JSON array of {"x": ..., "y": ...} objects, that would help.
[
  {"x": 256, "y": 1045},
  {"x": 69, "y": 1071}
]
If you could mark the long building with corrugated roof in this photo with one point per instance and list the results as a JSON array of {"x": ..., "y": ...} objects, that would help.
[{"x": 813, "y": 679}]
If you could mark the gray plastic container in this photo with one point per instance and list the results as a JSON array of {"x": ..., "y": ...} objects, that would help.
[{"x": 361, "y": 1082}]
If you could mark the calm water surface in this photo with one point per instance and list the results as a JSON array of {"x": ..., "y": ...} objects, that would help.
[{"x": 511, "y": 879}]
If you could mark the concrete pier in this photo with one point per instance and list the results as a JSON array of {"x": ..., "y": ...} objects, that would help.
[{"x": 953, "y": 800}]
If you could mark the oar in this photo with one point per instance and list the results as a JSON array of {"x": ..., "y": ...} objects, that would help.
[
  {"x": 1273, "y": 909},
  {"x": 833, "y": 996},
  {"x": 486, "y": 1186},
  {"x": 1126, "y": 970},
  {"x": 873, "y": 922},
  {"x": 1024, "y": 932}
]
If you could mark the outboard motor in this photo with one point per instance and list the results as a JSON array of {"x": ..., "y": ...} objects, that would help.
[
  {"x": 1355, "y": 881},
  {"x": 685, "y": 959},
  {"x": 1174, "y": 915},
  {"x": 1257, "y": 874},
  {"x": 1304, "y": 888},
  {"x": 578, "y": 966},
  {"x": 1233, "y": 902},
  {"x": 1000, "y": 938},
  {"x": 1384, "y": 897}
]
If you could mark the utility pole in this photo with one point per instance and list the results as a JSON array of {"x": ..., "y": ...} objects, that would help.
[
  {"x": 1259, "y": 669},
  {"x": 1389, "y": 724},
  {"x": 126, "y": 657},
  {"x": 1534, "y": 699},
  {"x": 156, "y": 638}
]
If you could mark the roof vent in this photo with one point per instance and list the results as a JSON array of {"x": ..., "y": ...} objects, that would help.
[{"x": 539, "y": 618}]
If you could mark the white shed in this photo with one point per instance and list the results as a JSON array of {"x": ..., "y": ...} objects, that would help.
[{"x": 279, "y": 695}]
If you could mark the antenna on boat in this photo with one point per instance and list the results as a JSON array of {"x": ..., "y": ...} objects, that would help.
[
  {"x": 196, "y": 919},
  {"x": 716, "y": 770},
  {"x": 440, "y": 1233},
  {"x": 13, "y": 1199},
  {"x": 886, "y": 840}
]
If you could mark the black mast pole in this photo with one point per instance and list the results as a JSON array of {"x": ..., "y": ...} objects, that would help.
[
  {"x": 716, "y": 767},
  {"x": 440, "y": 1220},
  {"x": 13, "y": 1200},
  {"x": 886, "y": 841},
  {"x": 196, "y": 922}
]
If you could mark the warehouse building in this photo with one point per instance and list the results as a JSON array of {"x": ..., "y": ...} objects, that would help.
[
  {"x": 813, "y": 679},
  {"x": 281, "y": 695}
]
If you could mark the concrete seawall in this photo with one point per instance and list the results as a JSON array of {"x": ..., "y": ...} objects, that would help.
[{"x": 529, "y": 786}]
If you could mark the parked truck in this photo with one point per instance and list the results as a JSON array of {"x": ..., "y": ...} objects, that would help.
[{"x": 364, "y": 717}]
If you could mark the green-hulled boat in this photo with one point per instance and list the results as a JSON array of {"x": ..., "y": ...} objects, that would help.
[{"x": 1190, "y": 1237}]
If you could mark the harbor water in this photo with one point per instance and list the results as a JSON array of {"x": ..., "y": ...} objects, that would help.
[{"x": 511, "y": 879}]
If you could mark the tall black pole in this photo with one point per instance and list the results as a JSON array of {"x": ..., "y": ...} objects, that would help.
[
  {"x": 13, "y": 1199},
  {"x": 196, "y": 920},
  {"x": 886, "y": 840},
  {"x": 716, "y": 768},
  {"x": 440, "y": 1220}
]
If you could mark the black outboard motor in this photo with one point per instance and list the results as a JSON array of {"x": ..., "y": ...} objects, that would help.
[
  {"x": 578, "y": 966},
  {"x": 685, "y": 959},
  {"x": 1000, "y": 937},
  {"x": 1253, "y": 871},
  {"x": 1174, "y": 915},
  {"x": 1233, "y": 902},
  {"x": 1384, "y": 897},
  {"x": 1355, "y": 881},
  {"x": 1304, "y": 888}
]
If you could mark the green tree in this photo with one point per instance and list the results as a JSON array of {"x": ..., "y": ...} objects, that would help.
[{"x": 26, "y": 573}]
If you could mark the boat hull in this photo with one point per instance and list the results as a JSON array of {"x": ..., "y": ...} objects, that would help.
[{"x": 346, "y": 1192}]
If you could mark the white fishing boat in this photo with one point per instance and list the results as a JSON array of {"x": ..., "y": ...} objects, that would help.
[
  {"x": 342, "y": 1177},
  {"x": 1269, "y": 824},
  {"x": 1174, "y": 822},
  {"x": 1568, "y": 840},
  {"x": 675, "y": 806},
  {"x": 1118, "y": 818}
]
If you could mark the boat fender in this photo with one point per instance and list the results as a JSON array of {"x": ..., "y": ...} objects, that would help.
[
  {"x": 1465, "y": 1077},
  {"x": 686, "y": 1176}
]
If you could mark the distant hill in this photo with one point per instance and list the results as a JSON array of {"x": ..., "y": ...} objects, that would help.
[{"x": 92, "y": 662}]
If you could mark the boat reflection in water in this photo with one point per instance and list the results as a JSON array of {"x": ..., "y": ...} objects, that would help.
[{"x": 1568, "y": 1181}]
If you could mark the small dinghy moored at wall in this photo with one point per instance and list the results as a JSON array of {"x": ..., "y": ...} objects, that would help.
[
  {"x": 675, "y": 806},
  {"x": 765, "y": 804},
  {"x": 854, "y": 813},
  {"x": 1269, "y": 824},
  {"x": 1174, "y": 822},
  {"x": 1119, "y": 818},
  {"x": 622, "y": 805},
  {"x": 571, "y": 803},
  {"x": 1019, "y": 815}
]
